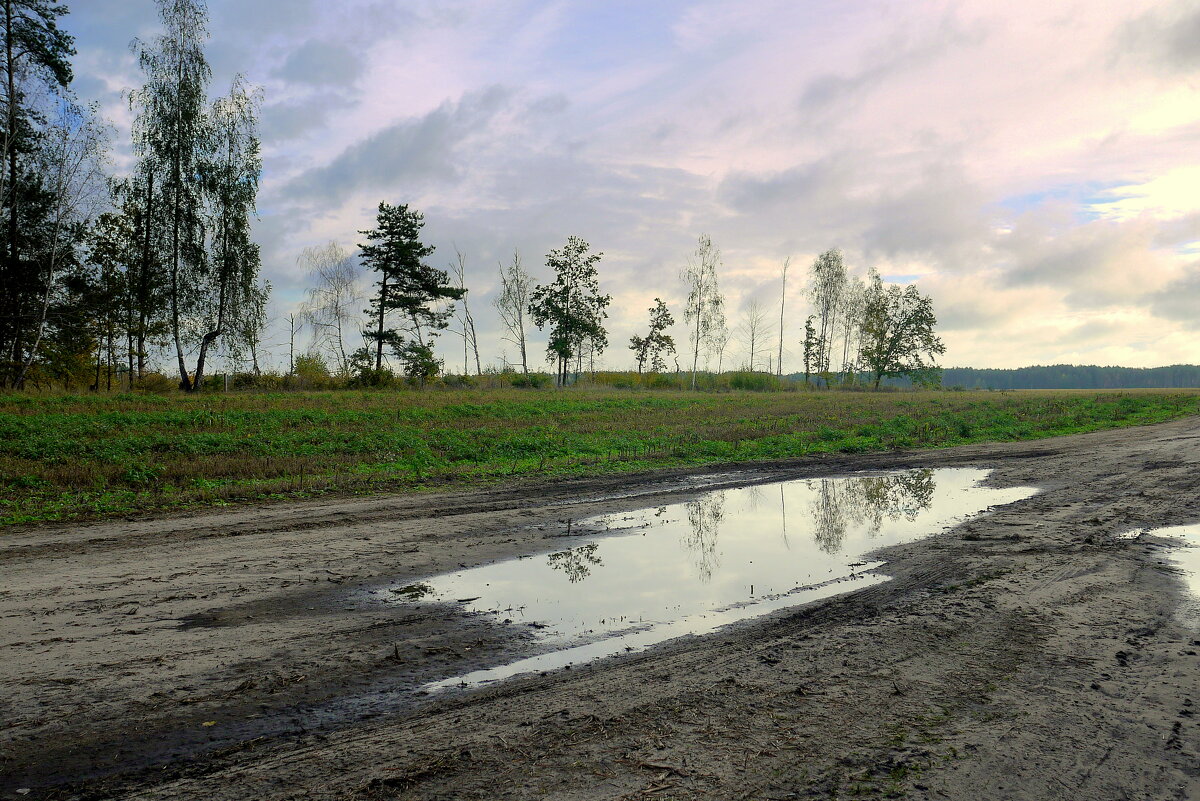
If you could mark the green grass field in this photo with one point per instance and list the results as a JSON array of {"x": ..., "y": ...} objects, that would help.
[{"x": 67, "y": 457}]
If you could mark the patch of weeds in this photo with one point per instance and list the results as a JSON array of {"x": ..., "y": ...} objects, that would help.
[{"x": 141, "y": 475}]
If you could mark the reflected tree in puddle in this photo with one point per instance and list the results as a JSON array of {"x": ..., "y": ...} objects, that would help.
[
  {"x": 576, "y": 563},
  {"x": 704, "y": 516},
  {"x": 866, "y": 502}
]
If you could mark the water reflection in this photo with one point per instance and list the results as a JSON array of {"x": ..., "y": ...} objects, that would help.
[
  {"x": 700, "y": 542},
  {"x": 724, "y": 556},
  {"x": 577, "y": 563},
  {"x": 866, "y": 503}
]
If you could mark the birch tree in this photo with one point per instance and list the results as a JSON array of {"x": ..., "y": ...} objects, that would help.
[
  {"x": 827, "y": 282},
  {"x": 465, "y": 320},
  {"x": 705, "y": 305},
  {"x": 512, "y": 304},
  {"x": 332, "y": 304},
  {"x": 170, "y": 137},
  {"x": 753, "y": 332},
  {"x": 226, "y": 291}
]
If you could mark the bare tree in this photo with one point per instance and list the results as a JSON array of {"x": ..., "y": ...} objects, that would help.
[
  {"x": 705, "y": 307},
  {"x": 513, "y": 303},
  {"x": 783, "y": 271},
  {"x": 333, "y": 304},
  {"x": 71, "y": 162},
  {"x": 465, "y": 320},
  {"x": 753, "y": 332}
]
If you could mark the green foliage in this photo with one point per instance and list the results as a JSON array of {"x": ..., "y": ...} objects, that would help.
[
  {"x": 407, "y": 285},
  {"x": 651, "y": 347},
  {"x": 897, "y": 333},
  {"x": 311, "y": 371},
  {"x": 571, "y": 306}
]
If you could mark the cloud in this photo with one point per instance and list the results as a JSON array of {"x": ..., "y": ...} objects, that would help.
[
  {"x": 322, "y": 64},
  {"x": 1168, "y": 37},
  {"x": 1179, "y": 301},
  {"x": 412, "y": 150},
  {"x": 1031, "y": 165}
]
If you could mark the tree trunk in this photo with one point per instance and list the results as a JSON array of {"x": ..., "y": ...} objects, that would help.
[
  {"x": 379, "y": 327},
  {"x": 143, "y": 296}
]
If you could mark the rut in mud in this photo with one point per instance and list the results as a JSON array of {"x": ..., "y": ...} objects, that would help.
[{"x": 1028, "y": 653}]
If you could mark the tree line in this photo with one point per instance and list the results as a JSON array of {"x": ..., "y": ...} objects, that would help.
[
  {"x": 884, "y": 329},
  {"x": 1073, "y": 376}
]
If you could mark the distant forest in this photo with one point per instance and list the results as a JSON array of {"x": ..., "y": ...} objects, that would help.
[{"x": 1072, "y": 376}]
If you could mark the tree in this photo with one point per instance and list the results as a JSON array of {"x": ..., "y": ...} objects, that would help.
[
  {"x": 513, "y": 302},
  {"x": 140, "y": 243},
  {"x": 812, "y": 348},
  {"x": 827, "y": 282},
  {"x": 850, "y": 313},
  {"x": 36, "y": 74},
  {"x": 406, "y": 285},
  {"x": 705, "y": 306},
  {"x": 170, "y": 130},
  {"x": 226, "y": 291},
  {"x": 651, "y": 347},
  {"x": 70, "y": 165},
  {"x": 783, "y": 271},
  {"x": 466, "y": 321},
  {"x": 571, "y": 306},
  {"x": 753, "y": 332},
  {"x": 333, "y": 304},
  {"x": 898, "y": 338}
]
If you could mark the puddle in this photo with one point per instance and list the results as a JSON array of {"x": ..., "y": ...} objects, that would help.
[
  {"x": 1186, "y": 556},
  {"x": 690, "y": 568}
]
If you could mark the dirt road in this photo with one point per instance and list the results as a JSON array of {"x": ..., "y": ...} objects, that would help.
[{"x": 241, "y": 655}]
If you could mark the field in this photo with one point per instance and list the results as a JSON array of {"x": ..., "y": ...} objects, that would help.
[{"x": 66, "y": 457}]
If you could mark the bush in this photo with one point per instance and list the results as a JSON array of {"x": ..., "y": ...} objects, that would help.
[
  {"x": 451, "y": 381},
  {"x": 755, "y": 382},
  {"x": 311, "y": 372},
  {"x": 531, "y": 381},
  {"x": 155, "y": 383}
]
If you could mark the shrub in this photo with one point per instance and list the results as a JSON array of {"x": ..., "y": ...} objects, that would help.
[
  {"x": 311, "y": 372},
  {"x": 155, "y": 383}
]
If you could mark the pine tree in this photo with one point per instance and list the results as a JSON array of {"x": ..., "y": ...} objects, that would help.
[{"x": 407, "y": 285}]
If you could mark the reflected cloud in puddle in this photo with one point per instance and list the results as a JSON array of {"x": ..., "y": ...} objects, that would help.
[{"x": 690, "y": 568}]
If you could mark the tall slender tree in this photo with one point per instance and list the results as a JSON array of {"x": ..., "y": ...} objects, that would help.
[
  {"x": 512, "y": 304},
  {"x": 333, "y": 303},
  {"x": 705, "y": 306},
  {"x": 783, "y": 271},
  {"x": 465, "y": 319},
  {"x": 827, "y": 282},
  {"x": 227, "y": 291},
  {"x": 36, "y": 72},
  {"x": 171, "y": 138}
]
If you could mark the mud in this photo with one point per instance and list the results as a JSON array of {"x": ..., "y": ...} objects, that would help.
[{"x": 1031, "y": 653}]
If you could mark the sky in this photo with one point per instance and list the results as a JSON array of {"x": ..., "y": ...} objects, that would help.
[{"x": 1032, "y": 166}]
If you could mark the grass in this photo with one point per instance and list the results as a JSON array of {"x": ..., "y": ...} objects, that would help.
[{"x": 65, "y": 457}]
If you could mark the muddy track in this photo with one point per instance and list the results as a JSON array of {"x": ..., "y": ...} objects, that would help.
[{"x": 237, "y": 654}]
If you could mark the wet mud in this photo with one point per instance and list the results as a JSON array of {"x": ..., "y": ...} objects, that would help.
[{"x": 1031, "y": 651}]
